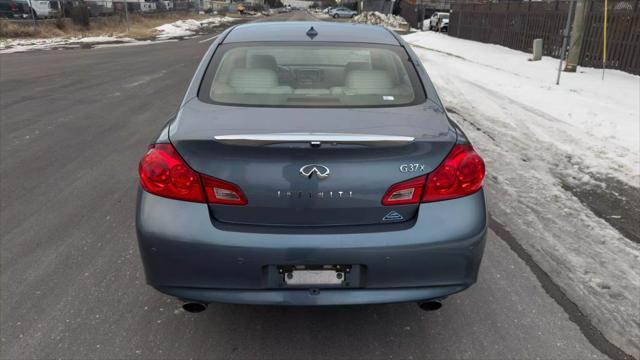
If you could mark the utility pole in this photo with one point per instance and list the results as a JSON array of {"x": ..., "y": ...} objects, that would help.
[
  {"x": 420, "y": 4},
  {"x": 126, "y": 14},
  {"x": 565, "y": 37},
  {"x": 577, "y": 35},
  {"x": 33, "y": 16}
]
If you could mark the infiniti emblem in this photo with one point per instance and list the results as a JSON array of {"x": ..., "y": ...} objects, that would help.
[{"x": 321, "y": 171}]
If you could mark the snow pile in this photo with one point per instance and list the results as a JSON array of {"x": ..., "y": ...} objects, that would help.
[
  {"x": 393, "y": 22},
  {"x": 175, "y": 30},
  {"x": 541, "y": 141},
  {"x": 184, "y": 28},
  {"x": 20, "y": 45},
  {"x": 302, "y": 4}
]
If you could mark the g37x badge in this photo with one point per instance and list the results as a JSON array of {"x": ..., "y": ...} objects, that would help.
[{"x": 411, "y": 167}]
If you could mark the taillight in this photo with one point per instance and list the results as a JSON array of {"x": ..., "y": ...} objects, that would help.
[
  {"x": 164, "y": 173},
  {"x": 460, "y": 174},
  {"x": 406, "y": 192},
  {"x": 13, "y": 7},
  {"x": 222, "y": 192}
]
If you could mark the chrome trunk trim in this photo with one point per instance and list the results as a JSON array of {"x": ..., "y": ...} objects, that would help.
[{"x": 314, "y": 139}]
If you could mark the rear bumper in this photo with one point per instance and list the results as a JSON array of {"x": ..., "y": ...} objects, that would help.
[
  {"x": 188, "y": 256},
  {"x": 308, "y": 298}
]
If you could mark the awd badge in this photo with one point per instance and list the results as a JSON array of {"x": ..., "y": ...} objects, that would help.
[{"x": 393, "y": 216}]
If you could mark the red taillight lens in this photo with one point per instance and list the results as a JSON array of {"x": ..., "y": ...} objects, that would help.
[
  {"x": 164, "y": 173},
  {"x": 407, "y": 192},
  {"x": 460, "y": 174},
  {"x": 222, "y": 192}
]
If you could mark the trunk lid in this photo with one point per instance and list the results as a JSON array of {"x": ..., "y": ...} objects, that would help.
[{"x": 291, "y": 181}]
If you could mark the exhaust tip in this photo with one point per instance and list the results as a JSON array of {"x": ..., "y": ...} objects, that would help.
[
  {"x": 431, "y": 305},
  {"x": 194, "y": 307}
]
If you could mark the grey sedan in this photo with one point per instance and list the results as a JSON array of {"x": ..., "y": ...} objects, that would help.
[
  {"x": 342, "y": 12},
  {"x": 311, "y": 163}
]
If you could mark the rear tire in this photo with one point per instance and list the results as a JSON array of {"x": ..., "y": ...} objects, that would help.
[{"x": 335, "y": 16}]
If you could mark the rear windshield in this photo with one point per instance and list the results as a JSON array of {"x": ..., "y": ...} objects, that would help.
[{"x": 321, "y": 75}]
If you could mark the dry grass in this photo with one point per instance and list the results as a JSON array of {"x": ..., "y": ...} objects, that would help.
[{"x": 140, "y": 27}]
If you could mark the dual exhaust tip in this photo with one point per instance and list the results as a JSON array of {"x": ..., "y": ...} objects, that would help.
[
  {"x": 194, "y": 307},
  {"x": 197, "y": 307},
  {"x": 431, "y": 305}
]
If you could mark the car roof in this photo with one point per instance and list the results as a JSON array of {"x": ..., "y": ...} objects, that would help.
[{"x": 297, "y": 31}]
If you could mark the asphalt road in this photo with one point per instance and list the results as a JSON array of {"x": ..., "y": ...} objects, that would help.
[{"x": 73, "y": 125}]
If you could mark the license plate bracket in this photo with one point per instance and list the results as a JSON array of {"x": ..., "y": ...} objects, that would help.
[{"x": 314, "y": 276}]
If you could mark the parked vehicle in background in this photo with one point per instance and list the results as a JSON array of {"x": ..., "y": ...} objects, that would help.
[
  {"x": 100, "y": 7},
  {"x": 342, "y": 12},
  {"x": 165, "y": 5},
  {"x": 12, "y": 9},
  {"x": 443, "y": 24},
  {"x": 434, "y": 20},
  {"x": 41, "y": 9}
]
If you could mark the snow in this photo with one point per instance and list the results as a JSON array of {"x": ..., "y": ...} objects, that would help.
[
  {"x": 602, "y": 116},
  {"x": 184, "y": 28},
  {"x": 393, "y": 22},
  {"x": 537, "y": 138},
  {"x": 20, "y": 45},
  {"x": 302, "y": 4},
  {"x": 175, "y": 30}
]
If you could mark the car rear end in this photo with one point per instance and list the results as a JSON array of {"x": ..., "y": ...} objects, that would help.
[
  {"x": 299, "y": 173},
  {"x": 444, "y": 24},
  {"x": 14, "y": 9}
]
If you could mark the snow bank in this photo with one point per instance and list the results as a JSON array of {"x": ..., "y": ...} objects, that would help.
[
  {"x": 536, "y": 138},
  {"x": 393, "y": 22},
  {"x": 21, "y": 45},
  {"x": 184, "y": 28},
  {"x": 175, "y": 30}
]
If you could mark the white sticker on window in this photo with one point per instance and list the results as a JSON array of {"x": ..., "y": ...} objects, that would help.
[{"x": 387, "y": 98}]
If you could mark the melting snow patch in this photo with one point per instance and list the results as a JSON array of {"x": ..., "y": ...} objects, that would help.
[
  {"x": 184, "y": 28},
  {"x": 393, "y": 22},
  {"x": 175, "y": 30},
  {"x": 21, "y": 45}
]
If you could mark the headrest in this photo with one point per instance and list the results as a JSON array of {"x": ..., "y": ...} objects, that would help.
[
  {"x": 263, "y": 62},
  {"x": 245, "y": 79},
  {"x": 368, "y": 81},
  {"x": 356, "y": 65}
]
